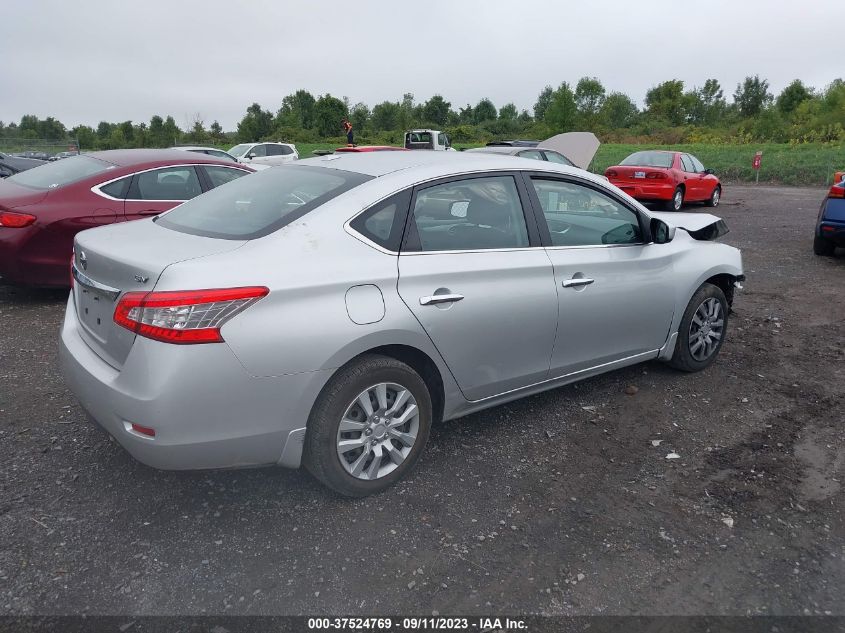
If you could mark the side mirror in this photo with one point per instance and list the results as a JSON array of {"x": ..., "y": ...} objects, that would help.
[
  {"x": 709, "y": 172},
  {"x": 661, "y": 233},
  {"x": 250, "y": 156}
]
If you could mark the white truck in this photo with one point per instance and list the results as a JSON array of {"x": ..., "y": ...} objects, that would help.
[{"x": 428, "y": 139}]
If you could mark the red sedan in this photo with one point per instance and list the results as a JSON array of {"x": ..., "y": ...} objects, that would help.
[
  {"x": 42, "y": 209},
  {"x": 672, "y": 178}
]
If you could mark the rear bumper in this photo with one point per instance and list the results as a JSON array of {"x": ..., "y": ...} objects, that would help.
[
  {"x": 11, "y": 242},
  {"x": 832, "y": 230},
  {"x": 28, "y": 258},
  {"x": 644, "y": 191},
  {"x": 207, "y": 411}
]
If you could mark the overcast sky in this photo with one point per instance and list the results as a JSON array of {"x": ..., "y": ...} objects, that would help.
[{"x": 94, "y": 60}]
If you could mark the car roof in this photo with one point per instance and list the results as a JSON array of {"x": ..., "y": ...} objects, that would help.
[
  {"x": 498, "y": 149},
  {"x": 130, "y": 157},
  {"x": 442, "y": 163},
  {"x": 371, "y": 148},
  {"x": 195, "y": 147},
  {"x": 514, "y": 143}
]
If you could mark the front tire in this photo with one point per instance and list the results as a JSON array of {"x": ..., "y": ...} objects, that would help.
[
  {"x": 715, "y": 197},
  {"x": 823, "y": 247},
  {"x": 702, "y": 330},
  {"x": 677, "y": 200},
  {"x": 368, "y": 426}
]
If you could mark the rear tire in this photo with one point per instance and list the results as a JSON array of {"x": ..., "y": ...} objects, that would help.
[
  {"x": 823, "y": 247},
  {"x": 702, "y": 329},
  {"x": 372, "y": 451},
  {"x": 715, "y": 197},
  {"x": 677, "y": 200}
]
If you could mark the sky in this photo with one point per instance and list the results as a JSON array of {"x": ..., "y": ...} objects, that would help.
[{"x": 92, "y": 60}]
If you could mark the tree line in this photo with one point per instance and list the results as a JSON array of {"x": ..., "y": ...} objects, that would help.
[{"x": 671, "y": 114}]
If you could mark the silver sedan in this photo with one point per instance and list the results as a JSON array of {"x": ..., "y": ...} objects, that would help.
[{"x": 330, "y": 312}]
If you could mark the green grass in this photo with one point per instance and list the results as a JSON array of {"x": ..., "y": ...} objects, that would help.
[{"x": 806, "y": 164}]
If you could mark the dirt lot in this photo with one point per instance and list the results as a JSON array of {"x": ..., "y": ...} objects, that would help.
[{"x": 556, "y": 504}]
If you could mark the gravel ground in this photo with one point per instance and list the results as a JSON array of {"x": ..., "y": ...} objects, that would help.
[{"x": 555, "y": 504}]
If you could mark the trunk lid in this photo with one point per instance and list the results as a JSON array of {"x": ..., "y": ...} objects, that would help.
[
  {"x": 14, "y": 196},
  {"x": 125, "y": 257},
  {"x": 579, "y": 147},
  {"x": 637, "y": 173}
]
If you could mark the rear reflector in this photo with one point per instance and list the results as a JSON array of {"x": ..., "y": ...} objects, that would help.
[
  {"x": 15, "y": 220},
  {"x": 184, "y": 317},
  {"x": 143, "y": 430}
]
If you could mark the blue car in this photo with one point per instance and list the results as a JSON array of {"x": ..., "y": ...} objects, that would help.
[{"x": 830, "y": 229}]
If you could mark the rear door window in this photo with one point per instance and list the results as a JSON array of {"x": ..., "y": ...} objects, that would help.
[
  {"x": 278, "y": 150},
  {"x": 167, "y": 183},
  {"x": 469, "y": 214}
]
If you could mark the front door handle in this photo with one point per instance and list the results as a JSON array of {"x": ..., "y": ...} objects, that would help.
[
  {"x": 579, "y": 281},
  {"x": 435, "y": 299}
]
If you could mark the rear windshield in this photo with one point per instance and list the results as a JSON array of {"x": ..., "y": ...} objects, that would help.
[
  {"x": 261, "y": 203},
  {"x": 649, "y": 159},
  {"x": 60, "y": 173}
]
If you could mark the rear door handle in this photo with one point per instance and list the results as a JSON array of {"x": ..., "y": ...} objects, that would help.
[
  {"x": 580, "y": 281},
  {"x": 435, "y": 299}
]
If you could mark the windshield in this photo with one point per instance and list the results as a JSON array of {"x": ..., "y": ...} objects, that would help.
[
  {"x": 261, "y": 203},
  {"x": 60, "y": 173},
  {"x": 649, "y": 159},
  {"x": 240, "y": 150}
]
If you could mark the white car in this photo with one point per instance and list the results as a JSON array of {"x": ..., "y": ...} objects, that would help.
[{"x": 265, "y": 153}]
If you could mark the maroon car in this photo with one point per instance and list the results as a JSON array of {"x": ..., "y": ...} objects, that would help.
[{"x": 42, "y": 209}]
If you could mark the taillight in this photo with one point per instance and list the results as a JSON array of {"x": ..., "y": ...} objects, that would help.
[
  {"x": 656, "y": 175},
  {"x": 15, "y": 220},
  {"x": 837, "y": 191},
  {"x": 611, "y": 173},
  {"x": 184, "y": 317}
]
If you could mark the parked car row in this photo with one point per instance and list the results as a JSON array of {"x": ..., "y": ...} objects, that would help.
[
  {"x": 42, "y": 209},
  {"x": 10, "y": 164}
]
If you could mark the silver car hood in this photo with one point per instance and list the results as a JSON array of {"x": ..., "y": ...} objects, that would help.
[
  {"x": 689, "y": 222},
  {"x": 579, "y": 147}
]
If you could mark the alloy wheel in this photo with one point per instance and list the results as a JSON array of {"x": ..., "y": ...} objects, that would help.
[
  {"x": 706, "y": 329},
  {"x": 378, "y": 431}
]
